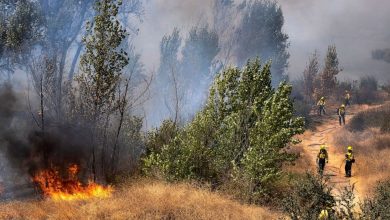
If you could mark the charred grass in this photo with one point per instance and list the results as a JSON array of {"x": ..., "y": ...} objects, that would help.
[{"x": 142, "y": 199}]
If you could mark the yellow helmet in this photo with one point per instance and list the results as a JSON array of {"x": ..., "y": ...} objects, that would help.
[
  {"x": 322, "y": 147},
  {"x": 342, "y": 106},
  {"x": 322, "y": 98},
  {"x": 349, "y": 147}
]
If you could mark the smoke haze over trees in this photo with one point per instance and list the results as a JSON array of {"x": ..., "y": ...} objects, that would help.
[
  {"x": 305, "y": 24},
  {"x": 100, "y": 92}
]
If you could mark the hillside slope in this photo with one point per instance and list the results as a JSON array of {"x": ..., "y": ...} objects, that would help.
[
  {"x": 140, "y": 200},
  {"x": 327, "y": 131}
]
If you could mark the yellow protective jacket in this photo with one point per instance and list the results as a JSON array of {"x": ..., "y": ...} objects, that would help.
[
  {"x": 321, "y": 102},
  {"x": 323, "y": 154},
  {"x": 349, "y": 157},
  {"x": 341, "y": 111}
]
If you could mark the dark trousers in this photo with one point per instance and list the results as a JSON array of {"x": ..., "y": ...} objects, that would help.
[
  {"x": 348, "y": 168},
  {"x": 342, "y": 119},
  {"x": 347, "y": 102},
  {"x": 321, "y": 109},
  {"x": 321, "y": 165}
]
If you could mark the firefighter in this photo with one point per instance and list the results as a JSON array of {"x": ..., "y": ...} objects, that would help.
[
  {"x": 324, "y": 215},
  {"x": 322, "y": 158},
  {"x": 349, "y": 159},
  {"x": 321, "y": 106},
  {"x": 347, "y": 98},
  {"x": 341, "y": 114}
]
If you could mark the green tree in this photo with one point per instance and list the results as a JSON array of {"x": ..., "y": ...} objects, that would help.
[
  {"x": 239, "y": 135},
  {"x": 310, "y": 77},
  {"x": 101, "y": 67},
  {"x": 21, "y": 27},
  {"x": 328, "y": 75},
  {"x": 261, "y": 34}
]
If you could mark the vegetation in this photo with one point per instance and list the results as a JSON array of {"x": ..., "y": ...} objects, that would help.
[
  {"x": 310, "y": 196},
  {"x": 240, "y": 135},
  {"x": 376, "y": 118},
  {"x": 327, "y": 77},
  {"x": 368, "y": 90},
  {"x": 377, "y": 207},
  {"x": 310, "y": 76},
  {"x": 20, "y": 29},
  {"x": 240, "y": 139},
  {"x": 261, "y": 34},
  {"x": 143, "y": 199}
]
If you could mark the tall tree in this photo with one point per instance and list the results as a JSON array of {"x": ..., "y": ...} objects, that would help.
[
  {"x": 169, "y": 49},
  {"x": 310, "y": 76},
  {"x": 21, "y": 28},
  {"x": 261, "y": 34},
  {"x": 328, "y": 75},
  {"x": 101, "y": 66},
  {"x": 241, "y": 133},
  {"x": 199, "y": 51}
]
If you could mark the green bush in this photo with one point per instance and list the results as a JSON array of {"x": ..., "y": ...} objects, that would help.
[
  {"x": 309, "y": 197},
  {"x": 240, "y": 135},
  {"x": 368, "y": 90},
  {"x": 378, "y": 207},
  {"x": 375, "y": 118}
]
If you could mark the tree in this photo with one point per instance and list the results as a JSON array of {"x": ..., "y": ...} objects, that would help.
[
  {"x": 101, "y": 66},
  {"x": 199, "y": 51},
  {"x": 182, "y": 83},
  {"x": 261, "y": 34},
  {"x": 310, "y": 77},
  {"x": 21, "y": 28},
  {"x": 169, "y": 79},
  {"x": 328, "y": 75},
  {"x": 169, "y": 49},
  {"x": 240, "y": 133}
]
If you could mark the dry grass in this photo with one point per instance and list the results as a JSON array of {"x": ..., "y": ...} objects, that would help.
[
  {"x": 372, "y": 153},
  {"x": 140, "y": 200}
]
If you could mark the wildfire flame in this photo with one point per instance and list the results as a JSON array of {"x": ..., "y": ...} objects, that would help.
[{"x": 54, "y": 186}]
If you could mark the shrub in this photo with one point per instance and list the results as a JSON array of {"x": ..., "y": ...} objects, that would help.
[
  {"x": 376, "y": 118},
  {"x": 240, "y": 134},
  {"x": 368, "y": 90},
  {"x": 378, "y": 207},
  {"x": 309, "y": 197}
]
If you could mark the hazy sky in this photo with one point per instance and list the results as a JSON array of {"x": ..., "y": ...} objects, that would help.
[{"x": 355, "y": 26}]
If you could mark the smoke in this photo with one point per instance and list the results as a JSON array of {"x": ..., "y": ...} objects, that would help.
[
  {"x": 354, "y": 26},
  {"x": 28, "y": 149},
  {"x": 383, "y": 55}
]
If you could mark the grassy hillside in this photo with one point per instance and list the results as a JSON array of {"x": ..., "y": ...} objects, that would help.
[{"x": 140, "y": 200}]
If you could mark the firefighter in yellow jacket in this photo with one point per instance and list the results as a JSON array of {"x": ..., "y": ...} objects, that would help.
[
  {"x": 322, "y": 158},
  {"x": 347, "y": 98},
  {"x": 349, "y": 160},
  {"x": 321, "y": 106},
  {"x": 341, "y": 114}
]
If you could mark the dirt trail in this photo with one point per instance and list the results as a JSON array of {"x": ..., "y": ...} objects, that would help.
[{"x": 326, "y": 127}]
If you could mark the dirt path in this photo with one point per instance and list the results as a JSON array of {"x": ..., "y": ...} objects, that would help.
[{"x": 325, "y": 129}]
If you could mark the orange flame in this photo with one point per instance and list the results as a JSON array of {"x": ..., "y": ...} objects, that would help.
[{"x": 57, "y": 188}]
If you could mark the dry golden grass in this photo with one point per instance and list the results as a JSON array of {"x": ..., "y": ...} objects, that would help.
[
  {"x": 372, "y": 153},
  {"x": 140, "y": 200}
]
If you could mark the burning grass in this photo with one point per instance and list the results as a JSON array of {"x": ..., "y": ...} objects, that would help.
[
  {"x": 57, "y": 187},
  {"x": 140, "y": 200}
]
